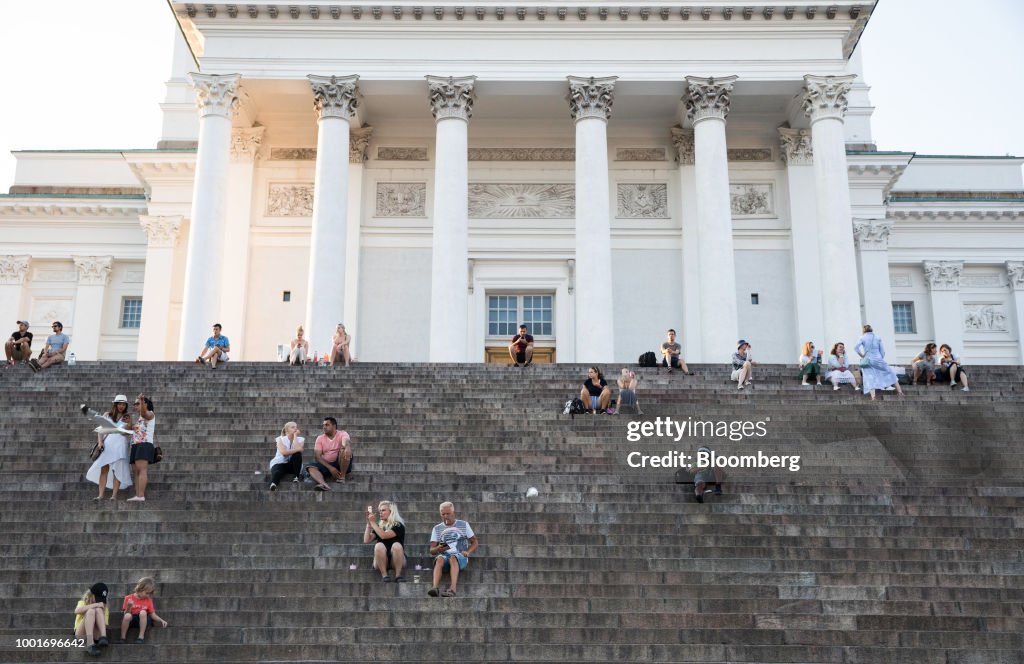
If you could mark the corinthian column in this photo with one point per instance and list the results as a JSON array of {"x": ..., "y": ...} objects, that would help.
[
  {"x": 451, "y": 102},
  {"x": 824, "y": 102},
  {"x": 216, "y": 99},
  {"x": 590, "y": 102},
  {"x": 872, "y": 237},
  {"x": 943, "y": 279},
  {"x": 358, "y": 146},
  {"x": 692, "y": 338},
  {"x": 93, "y": 277},
  {"x": 12, "y": 276},
  {"x": 1015, "y": 275},
  {"x": 707, "y": 106},
  {"x": 334, "y": 99},
  {"x": 799, "y": 158},
  {"x": 162, "y": 236}
]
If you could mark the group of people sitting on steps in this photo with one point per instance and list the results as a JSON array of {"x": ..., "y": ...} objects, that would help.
[
  {"x": 92, "y": 615},
  {"x": 299, "y": 354},
  {"x": 452, "y": 541}
]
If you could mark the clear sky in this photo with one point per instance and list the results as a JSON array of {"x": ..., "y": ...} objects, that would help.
[{"x": 945, "y": 77}]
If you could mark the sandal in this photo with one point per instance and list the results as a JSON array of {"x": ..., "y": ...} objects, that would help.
[
  {"x": 434, "y": 592},
  {"x": 448, "y": 593}
]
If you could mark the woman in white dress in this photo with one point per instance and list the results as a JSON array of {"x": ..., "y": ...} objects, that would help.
[
  {"x": 839, "y": 372},
  {"x": 111, "y": 469},
  {"x": 875, "y": 372}
]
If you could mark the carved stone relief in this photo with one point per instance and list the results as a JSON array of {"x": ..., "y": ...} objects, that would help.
[
  {"x": 292, "y": 154},
  {"x": 93, "y": 270},
  {"x": 51, "y": 309},
  {"x": 752, "y": 200},
  {"x": 13, "y": 269},
  {"x": 522, "y": 154},
  {"x": 290, "y": 200},
  {"x": 640, "y": 154},
  {"x": 522, "y": 201},
  {"x": 401, "y": 199},
  {"x": 943, "y": 275},
  {"x": 985, "y": 318},
  {"x": 750, "y": 154},
  {"x": 402, "y": 154},
  {"x": 642, "y": 201}
]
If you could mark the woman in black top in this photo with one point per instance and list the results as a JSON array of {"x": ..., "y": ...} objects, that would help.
[
  {"x": 389, "y": 533},
  {"x": 595, "y": 393}
]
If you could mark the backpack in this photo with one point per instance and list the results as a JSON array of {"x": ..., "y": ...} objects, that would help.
[
  {"x": 574, "y": 407},
  {"x": 648, "y": 359}
]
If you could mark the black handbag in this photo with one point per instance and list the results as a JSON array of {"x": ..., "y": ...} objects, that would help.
[{"x": 95, "y": 452}]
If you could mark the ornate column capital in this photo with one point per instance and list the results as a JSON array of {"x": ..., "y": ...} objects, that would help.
[
  {"x": 708, "y": 97},
  {"x": 93, "y": 270},
  {"x": 13, "y": 269},
  {"x": 796, "y": 146},
  {"x": 682, "y": 139},
  {"x": 246, "y": 144},
  {"x": 358, "y": 144},
  {"x": 215, "y": 94},
  {"x": 591, "y": 97},
  {"x": 826, "y": 96},
  {"x": 872, "y": 234},
  {"x": 1015, "y": 274},
  {"x": 334, "y": 96},
  {"x": 451, "y": 97},
  {"x": 161, "y": 231},
  {"x": 943, "y": 275}
]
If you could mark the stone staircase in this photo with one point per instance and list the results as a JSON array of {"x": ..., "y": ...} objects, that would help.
[{"x": 898, "y": 541}]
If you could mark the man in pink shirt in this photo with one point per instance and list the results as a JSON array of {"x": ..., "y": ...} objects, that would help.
[{"x": 333, "y": 452}]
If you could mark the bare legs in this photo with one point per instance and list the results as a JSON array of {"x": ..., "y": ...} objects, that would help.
[{"x": 380, "y": 558}]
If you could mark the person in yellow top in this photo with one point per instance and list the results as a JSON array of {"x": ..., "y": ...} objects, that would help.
[{"x": 91, "y": 618}]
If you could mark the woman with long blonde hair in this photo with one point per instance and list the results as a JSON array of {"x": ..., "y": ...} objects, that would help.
[{"x": 389, "y": 534}]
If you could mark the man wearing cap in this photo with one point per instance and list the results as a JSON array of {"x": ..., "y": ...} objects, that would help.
[
  {"x": 742, "y": 364},
  {"x": 19, "y": 344},
  {"x": 55, "y": 350},
  {"x": 91, "y": 618}
]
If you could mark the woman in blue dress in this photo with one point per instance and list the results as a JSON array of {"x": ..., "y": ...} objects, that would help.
[{"x": 875, "y": 373}]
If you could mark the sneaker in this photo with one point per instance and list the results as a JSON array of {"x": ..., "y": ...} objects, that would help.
[
  {"x": 966, "y": 389},
  {"x": 740, "y": 386},
  {"x": 400, "y": 579},
  {"x": 140, "y": 640},
  {"x": 273, "y": 486},
  {"x": 386, "y": 579},
  {"x": 952, "y": 383},
  {"x": 295, "y": 480},
  {"x": 805, "y": 384},
  {"x": 137, "y": 498},
  {"x": 103, "y": 642},
  {"x": 835, "y": 387},
  {"x": 93, "y": 650}
]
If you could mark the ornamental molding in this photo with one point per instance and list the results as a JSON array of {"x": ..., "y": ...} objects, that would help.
[
  {"x": 161, "y": 231},
  {"x": 401, "y": 199},
  {"x": 489, "y": 200},
  {"x": 289, "y": 200},
  {"x": 1015, "y": 274},
  {"x": 451, "y": 97},
  {"x": 522, "y": 154},
  {"x": 708, "y": 98},
  {"x": 872, "y": 234},
  {"x": 826, "y": 96},
  {"x": 591, "y": 98},
  {"x": 797, "y": 149},
  {"x": 93, "y": 270},
  {"x": 247, "y": 144},
  {"x": 982, "y": 281},
  {"x": 216, "y": 95},
  {"x": 71, "y": 212},
  {"x": 334, "y": 96},
  {"x": 13, "y": 269},
  {"x": 292, "y": 154},
  {"x": 984, "y": 317},
  {"x": 642, "y": 201},
  {"x": 956, "y": 215},
  {"x": 943, "y": 275},
  {"x": 401, "y": 153},
  {"x": 682, "y": 140},
  {"x": 359, "y": 144},
  {"x": 640, "y": 154}
]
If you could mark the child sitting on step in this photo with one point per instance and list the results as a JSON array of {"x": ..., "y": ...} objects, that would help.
[
  {"x": 139, "y": 610},
  {"x": 92, "y": 617}
]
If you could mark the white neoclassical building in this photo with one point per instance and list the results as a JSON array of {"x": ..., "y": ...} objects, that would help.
[{"x": 434, "y": 174}]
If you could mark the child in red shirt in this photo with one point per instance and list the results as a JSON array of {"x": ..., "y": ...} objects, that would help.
[{"x": 138, "y": 609}]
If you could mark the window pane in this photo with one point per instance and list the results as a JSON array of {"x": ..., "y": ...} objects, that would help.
[
  {"x": 903, "y": 317},
  {"x": 131, "y": 312}
]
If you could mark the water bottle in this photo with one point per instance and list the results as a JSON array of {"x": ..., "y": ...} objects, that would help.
[{"x": 71, "y": 359}]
